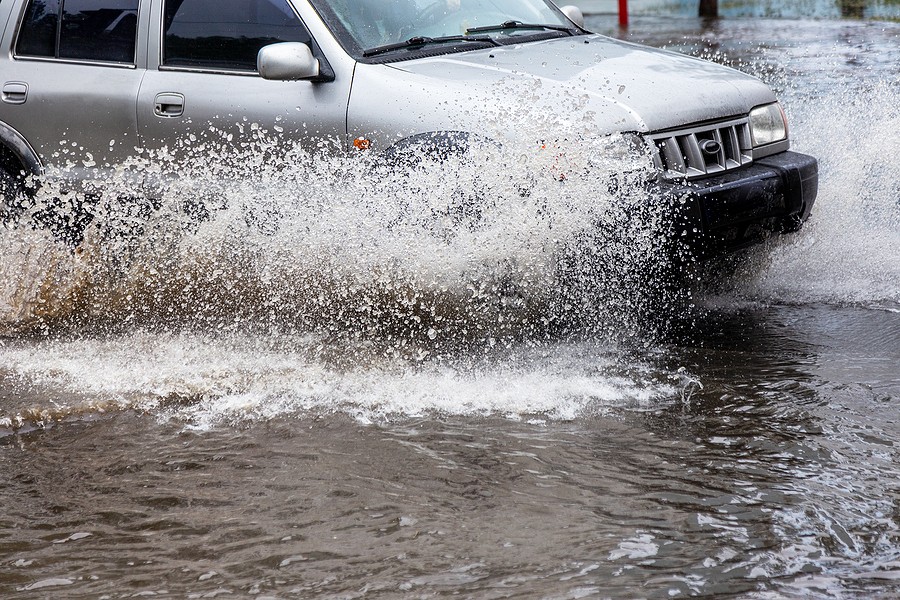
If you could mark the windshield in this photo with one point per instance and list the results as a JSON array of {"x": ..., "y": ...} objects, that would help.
[{"x": 367, "y": 24}]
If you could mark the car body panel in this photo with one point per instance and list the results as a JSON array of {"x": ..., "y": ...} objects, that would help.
[
  {"x": 621, "y": 86},
  {"x": 217, "y": 105},
  {"x": 79, "y": 116},
  {"x": 105, "y": 130}
]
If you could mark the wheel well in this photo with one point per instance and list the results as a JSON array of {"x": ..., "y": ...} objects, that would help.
[
  {"x": 17, "y": 157},
  {"x": 435, "y": 144},
  {"x": 11, "y": 163}
]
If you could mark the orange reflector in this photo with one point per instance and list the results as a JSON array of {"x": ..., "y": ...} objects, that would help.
[{"x": 362, "y": 143}]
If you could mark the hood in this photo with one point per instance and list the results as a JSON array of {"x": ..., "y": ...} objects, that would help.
[{"x": 591, "y": 81}]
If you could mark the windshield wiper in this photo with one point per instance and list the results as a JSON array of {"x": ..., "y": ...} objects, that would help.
[
  {"x": 419, "y": 41},
  {"x": 520, "y": 25}
]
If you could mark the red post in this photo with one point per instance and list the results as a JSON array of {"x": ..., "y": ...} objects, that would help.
[{"x": 623, "y": 14}]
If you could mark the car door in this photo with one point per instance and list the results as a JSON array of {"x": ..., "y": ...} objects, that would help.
[
  {"x": 70, "y": 87},
  {"x": 202, "y": 94}
]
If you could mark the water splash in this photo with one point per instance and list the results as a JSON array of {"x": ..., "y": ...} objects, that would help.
[
  {"x": 847, "y": 252},
  {"x": 290, "y": 280},
  {"x": 836, "y": 81},
  {"x": 378, "y": 281},
  {"x": 467, "y": 246}
]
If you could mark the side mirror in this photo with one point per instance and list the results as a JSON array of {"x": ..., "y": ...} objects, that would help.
[
  {"x": 286, "y": 61},
  {"x": 574, "y": 14}
]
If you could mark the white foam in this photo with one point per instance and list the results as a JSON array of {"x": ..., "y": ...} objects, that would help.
[{"x": 206, "y": 381}]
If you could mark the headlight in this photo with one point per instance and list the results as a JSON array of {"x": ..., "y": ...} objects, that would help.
[{"x": 768, "y": 124}]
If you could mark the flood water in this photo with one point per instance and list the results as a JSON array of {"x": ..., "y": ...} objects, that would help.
[{"x": 742, "y": 445}]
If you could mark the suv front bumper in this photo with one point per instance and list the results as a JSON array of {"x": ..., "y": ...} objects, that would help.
[{"x": 726, "y": 212}]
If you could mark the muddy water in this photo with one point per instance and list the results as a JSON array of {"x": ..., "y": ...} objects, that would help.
[{"x": 747, "y": 449}]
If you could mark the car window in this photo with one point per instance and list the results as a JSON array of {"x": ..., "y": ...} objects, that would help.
[
  {"x": 102, "y": 30},
  {"x": 38, "y": 34},
  {"x": 226, "y": 34}
]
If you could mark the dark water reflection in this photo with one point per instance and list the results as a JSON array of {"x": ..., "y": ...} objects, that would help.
[{"x": 766, "y": 468}]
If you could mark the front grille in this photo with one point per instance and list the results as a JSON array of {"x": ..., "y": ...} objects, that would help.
[{"x": 703, "y": 149}]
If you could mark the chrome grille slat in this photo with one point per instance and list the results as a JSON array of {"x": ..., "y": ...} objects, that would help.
[
  {"x": 681, "y": 153},
  {"x": 693, "y": 156},
  {"x": 732, "y": 148},
  {"x": 672, "y": 154}
]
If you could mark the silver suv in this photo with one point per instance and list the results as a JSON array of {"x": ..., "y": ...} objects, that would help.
[{"x": 109, "y": 77}]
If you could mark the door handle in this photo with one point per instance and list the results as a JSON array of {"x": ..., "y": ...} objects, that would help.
[
  {"x": 14, "y": 92},
  {"x": 169, "y": 105}
]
